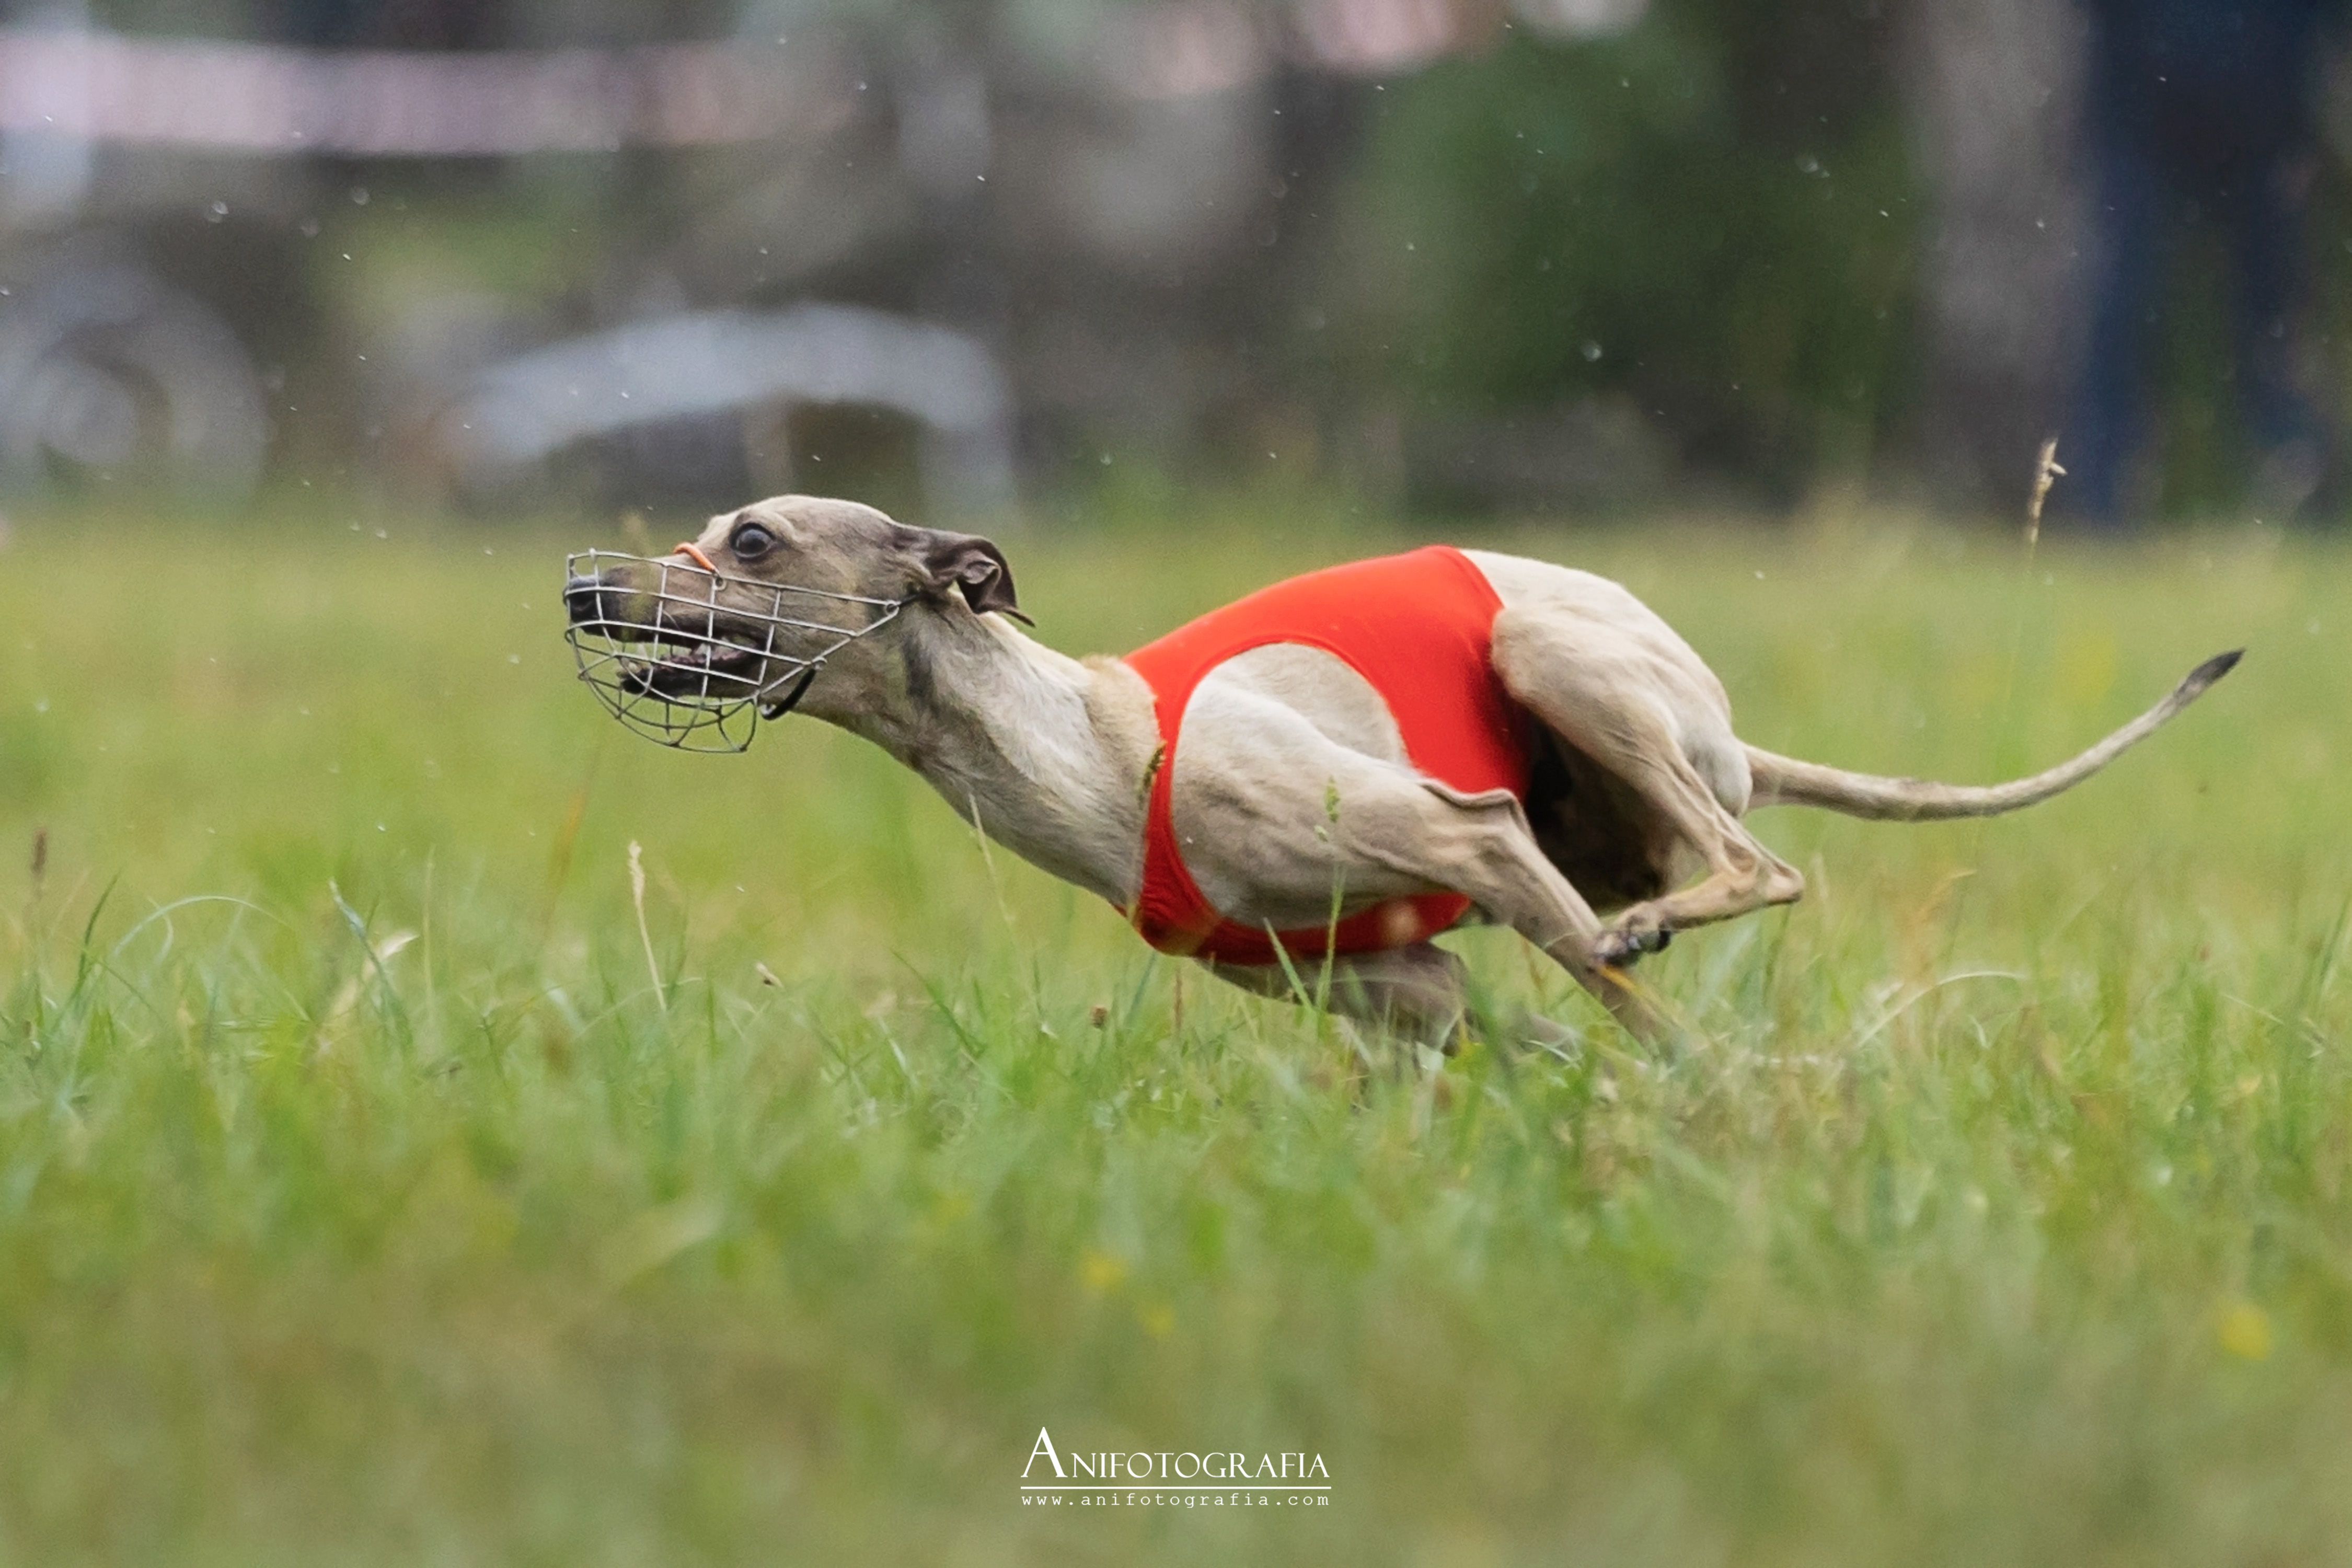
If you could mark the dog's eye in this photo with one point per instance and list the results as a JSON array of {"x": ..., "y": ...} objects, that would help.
[{"x": 750, "y": 541}]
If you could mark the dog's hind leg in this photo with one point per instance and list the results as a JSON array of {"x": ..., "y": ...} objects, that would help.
[
  {"x": 1273, "y": 814},
  {"x": 1423, "y": 837},
  {"x": 1651, "y": 724},
  {"x": 1480, "y": 846}
]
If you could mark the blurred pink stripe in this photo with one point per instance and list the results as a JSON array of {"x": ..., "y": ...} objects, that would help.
[{"x": 266, "y": 98}]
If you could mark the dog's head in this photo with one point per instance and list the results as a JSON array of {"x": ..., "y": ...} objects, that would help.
[{"x": 690, "y": 647}]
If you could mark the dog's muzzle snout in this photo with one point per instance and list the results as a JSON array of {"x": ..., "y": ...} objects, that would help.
[
  {"x": 686, "y": 655},
  {"x": 586, "y": 599}
]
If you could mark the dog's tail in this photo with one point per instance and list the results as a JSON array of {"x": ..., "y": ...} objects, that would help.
[{"x": 1784, "y": 781}]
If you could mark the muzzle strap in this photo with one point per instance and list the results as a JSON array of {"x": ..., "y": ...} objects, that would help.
[{"x": 793, "y": 697}]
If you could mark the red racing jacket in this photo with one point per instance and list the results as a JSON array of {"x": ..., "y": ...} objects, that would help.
[{"x": 1419, "y": 628}]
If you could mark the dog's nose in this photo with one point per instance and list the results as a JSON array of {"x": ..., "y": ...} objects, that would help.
[{"x": 583, "y": 599}]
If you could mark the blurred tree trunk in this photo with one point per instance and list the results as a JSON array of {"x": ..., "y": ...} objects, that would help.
[{"x": 1992, "y": 89}]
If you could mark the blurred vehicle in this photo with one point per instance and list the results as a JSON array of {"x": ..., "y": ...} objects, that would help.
[
  {"x": 110, "y": 372},
  {"x": 518, "y": 414}
]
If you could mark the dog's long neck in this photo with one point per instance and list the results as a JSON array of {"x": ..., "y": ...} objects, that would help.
[{"x": 1049, "y": 755}]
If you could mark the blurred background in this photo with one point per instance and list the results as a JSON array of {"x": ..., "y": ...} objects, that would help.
[{"x": 1040, "y": 258}]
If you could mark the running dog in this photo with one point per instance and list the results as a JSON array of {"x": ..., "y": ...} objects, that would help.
[{"x": 1331, "y": 770}]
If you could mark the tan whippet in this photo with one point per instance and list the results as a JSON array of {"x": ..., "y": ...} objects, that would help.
[{"x": 1293, "y": 778}]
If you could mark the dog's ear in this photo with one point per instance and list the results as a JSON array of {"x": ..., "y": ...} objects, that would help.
[{"x": 973, "y": 565}]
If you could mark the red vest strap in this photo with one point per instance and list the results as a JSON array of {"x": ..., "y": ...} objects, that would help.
[{"x": 1419, "y": 628}]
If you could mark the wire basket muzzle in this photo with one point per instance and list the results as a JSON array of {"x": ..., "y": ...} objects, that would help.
[{"x": 695, "y": 659}]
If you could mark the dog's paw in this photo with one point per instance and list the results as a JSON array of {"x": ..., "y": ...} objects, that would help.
[{"x": 1620, "y": 946}]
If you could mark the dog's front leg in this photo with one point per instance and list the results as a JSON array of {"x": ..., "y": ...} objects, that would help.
[
  {"x": 1415, "y": 994},
  {"x": 1418, "y": 994}
]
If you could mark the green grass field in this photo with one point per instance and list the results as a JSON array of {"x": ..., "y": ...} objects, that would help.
[{"x": 372, "y": 1191}]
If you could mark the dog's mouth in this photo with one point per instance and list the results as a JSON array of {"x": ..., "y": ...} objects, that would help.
[
  {"x": 680, "y": 668},
  {"x": 694, "y": 660}
]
